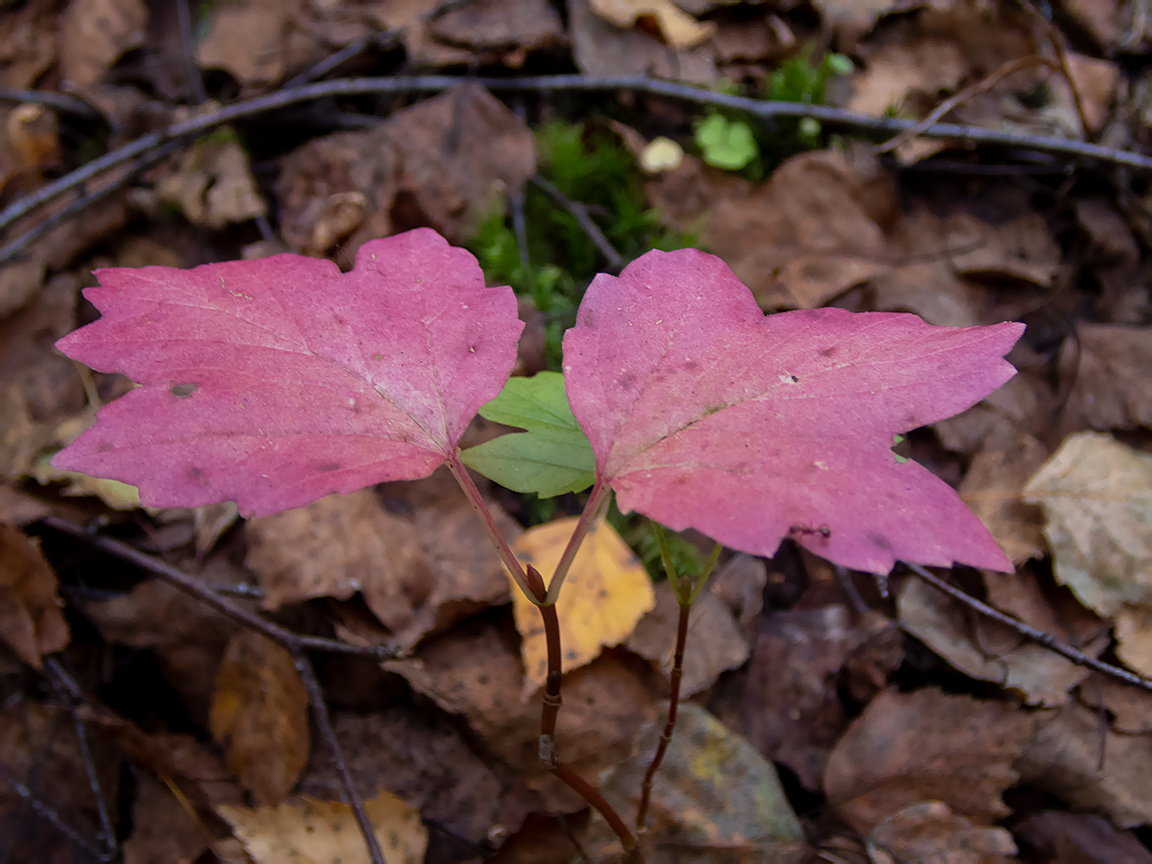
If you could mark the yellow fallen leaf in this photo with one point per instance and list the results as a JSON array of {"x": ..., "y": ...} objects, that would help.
[
  {"x": 606, "y": 594},
  {"x": 662, "y": 154},
  {"x": 679, "y": 29},
  {"x": 307, "y": 831}
]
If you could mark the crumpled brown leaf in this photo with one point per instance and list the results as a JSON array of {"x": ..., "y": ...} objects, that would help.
[
  {"x": 213, "y": 184},
  {"x": 95, "y": 33},
  {"x": 1108, "y": 364},
  {"x": 931, "y": 832},
  {"x": 679, "y": 29},
  {"x": 926, "y": 746}
]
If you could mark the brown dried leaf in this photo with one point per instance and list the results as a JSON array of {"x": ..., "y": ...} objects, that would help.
[
  {"x": 213, "y": 185},
  {"x": 422, "y": 757},
  {"x": 926, "y": 746},
  {"x": 27, "y": 42},
  {"x": 1131, "y": 707},
  {"x": 713, "y": 796},
  {"x": 95, "y": 33},
  {"x": 419, "y": 573},
  {"x": 31, "y": 622},
  {"x": 1060, "y": 837},
  {"x": 715, "y": 645},
  {"x": 931, "y": 832},
  {"x": 260, "y": 716},
  {"x": 1063, "y": 758},
  {"x": 250, "y": 40},
  {"x": 1109, "y": 366},
  {"x": 680, "y": 30},
  {"x": 316, "y": 832},
  {"x": 476, "y": 673},
  {"x": 599, "y": 48},
  {"x": 497, "y": 25}
]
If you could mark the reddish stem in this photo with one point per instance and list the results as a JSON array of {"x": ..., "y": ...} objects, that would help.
[{"x": 675, "y": 678}]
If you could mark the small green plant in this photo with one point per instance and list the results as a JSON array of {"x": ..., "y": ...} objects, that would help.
[{"x": 727, "y": 144}]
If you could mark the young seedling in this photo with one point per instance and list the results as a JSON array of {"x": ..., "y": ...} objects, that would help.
[{"x": 277, "y": 381}]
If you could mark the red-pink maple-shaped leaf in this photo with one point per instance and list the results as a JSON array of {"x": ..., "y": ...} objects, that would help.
[
  {"x": 278, "y": 381},
  {"x": 704, "y": 413}
]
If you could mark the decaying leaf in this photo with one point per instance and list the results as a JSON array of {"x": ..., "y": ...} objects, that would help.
[
  {"x": 1097, "y": 496},
  {"x": 31, "y": 621},
  {"x": 309, "y": 831},
  {"x": 926, "y": 746},
  {"x": 931, "y": 832},
  {"x": 419, "y": 572},
  {"x": 292, "y": 380},
  {"x": 213, "y": 184},
  {"x": 713, "y": 795},
  {"x": 1108, "y": 365},
  {"x": 260, "y": 716},
  {"x": 704, "y": 413},
  {"x": 1064, "y": 759},
  {"x": 95, "y": 33},
  {"x": 606, "y": 593}
]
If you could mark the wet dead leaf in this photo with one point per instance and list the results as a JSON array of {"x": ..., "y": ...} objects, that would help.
[
  {"x": 790, "y": 709},
  {"x": 1079, "y": 838},
  {"x": 419, "y": 573},
  {"x": 94, "y": 34},
  {"x": 1097, "y": 497},
  {"x": 187, "y": 637},
  {"x": 1063, "y": 758},
  {"x": 1130, "y": 707},
  {"x": 714, "y": 795},
  {"x": 260, "y": 716},
  {"x": 926, "y": 746},
  {"x": 326, "y": 832},
  {"x": 989, "y": 651},
  {"x": 715, "y": 643},
  {"x": 1108, "y": 364},
  {"x": 606, "y": 593},
  {"x": 31, "y": 621},
  {"x": 679, "y": 29},
  {"x": 524, "y": 27},
  {"x": 931, "y": 832}
]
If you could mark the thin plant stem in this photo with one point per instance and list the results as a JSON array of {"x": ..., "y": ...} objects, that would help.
[
  {"x": 551, "y": 710},
  {"x": 686, "y": 594},
  {"x": 511, "y": 563},
  {"x": 597, "y": 501}
]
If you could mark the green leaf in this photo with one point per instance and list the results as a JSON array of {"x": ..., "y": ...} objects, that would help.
[
  {"x": 726, "y": 144},
  {"x": 551, "y": 457}
]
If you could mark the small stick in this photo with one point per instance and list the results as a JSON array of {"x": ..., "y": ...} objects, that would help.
[
  {"x": 292, "y": 642},
  {"x": 964, "y": 95},
  {"x": 188, "y": 43},
  {"x": 328, "y": 734},
  {"x": 1046, "y": 639},
  {"x": 580, "y": 214},
  {"x": 57, "y": 101}
]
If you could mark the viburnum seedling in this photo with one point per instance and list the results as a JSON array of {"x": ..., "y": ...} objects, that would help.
[{"x": 277, "y": 381}]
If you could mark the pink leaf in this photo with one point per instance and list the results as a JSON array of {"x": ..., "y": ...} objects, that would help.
[
  {"x": 704, "y": 413},
  {"x": 278, "y": 381}
]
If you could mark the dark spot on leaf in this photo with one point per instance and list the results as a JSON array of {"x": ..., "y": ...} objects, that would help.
[
  {"x": 795, "y": 379},
  {"x": 626, "y": 380},
  {"x": 103, "y": 447},
  {"x": 377, "y": 357},
  {"x": 711, "y": 409},
  {"x": 195, "y": 473},
  {"x": 182, "y": 391},
  {"x": 880, "y": 542},
  {"x": 570, "y": 655},
  {"x": 482, "y": 679},
  {"x": 328, "y": 466},
  {"x": 828, "y": 352},
  {"x": 691, "y": 366}
]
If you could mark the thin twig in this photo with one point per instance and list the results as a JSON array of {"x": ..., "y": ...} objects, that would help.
[
  {"x": 188, "y": 52},
  {"x": 51, "y": 816},
  {"x": 57, "y": 101},
  {"x": 580, "y": 214},
  {"x": 292, "y": 642},
  {"x": 982, "y": 86},
  {"x": 1046, "y": 639},
  {"x": 328, "y": 734},
  {"x": 551, "y": 83},
  {"x": 1060, "y": 48}
]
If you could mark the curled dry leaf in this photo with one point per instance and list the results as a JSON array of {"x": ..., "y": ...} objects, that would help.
[
  {"x": 213, "y": 184},
  {"x": 95, "y": 33},
  {"x": 600, "y": 48},
  {"x": 308, "y": 830},
  {"x": 31, "y": 621},
  {"x": 926, "y": 746},
  {"x": 679, "y": 29},
  {"x": 419, "y": 572},
  {"x": 1063, "y": 758},
  {"x": 715, "y": 644},
  {"x": 714, "y": 794},
  {"x": 606, "y": 593},
  {"x": 1097, "y": 497},
  {"x": 291, "y": 380},
  {"x": 704, "y": 413},
  {"x": 260, "y": 716}
]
